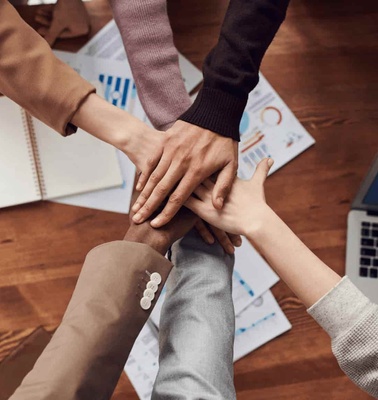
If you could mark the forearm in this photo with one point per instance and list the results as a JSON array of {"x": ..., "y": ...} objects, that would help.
[
  {"x": 231, "y": 68},
  {"x": 33, "y": 77},
  {"x": 90, "y": 347},
  {"x": 302, "y": 270},
  {"x": 107, "y": 122},
  {"x": 148, "y": 41}
]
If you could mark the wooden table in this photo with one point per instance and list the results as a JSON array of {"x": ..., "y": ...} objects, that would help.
[{"x": 323, "y": 63}]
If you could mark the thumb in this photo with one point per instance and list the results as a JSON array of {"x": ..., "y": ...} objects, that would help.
[
  {"x": 223, "y": 186},
  {"x": 262, "y": 171}
]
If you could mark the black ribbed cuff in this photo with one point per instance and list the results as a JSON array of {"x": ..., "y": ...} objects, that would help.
[{"x": 216, "y": 111}]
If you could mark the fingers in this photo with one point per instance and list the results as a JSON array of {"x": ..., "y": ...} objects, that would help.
[
  {"x": 56, "y": 28},
  {"x": 43, "y": 20},
  {"x": 161, "y": 191},
  {"x": 223, "y": 240},
  {"x": 154, "y": 177},
  {"x": 197, "y": 206},
  {"x": 236, "y": 240},
  {"x": 262, "y": 171},
  {"x": 145, "y": 175},
  {"x": 177, "y": 199},
  {"x": 204, "y": 232},
  {"x": 208, "y": 184},
  {"x": 223, "y": 185},
  {"x": 203, "y": 193}
]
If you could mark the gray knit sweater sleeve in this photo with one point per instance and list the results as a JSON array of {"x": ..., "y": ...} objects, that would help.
[{"x": 351, "y": 320}]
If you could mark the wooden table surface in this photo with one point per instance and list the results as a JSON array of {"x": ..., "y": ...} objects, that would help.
[{"x": 323, "y": 63}]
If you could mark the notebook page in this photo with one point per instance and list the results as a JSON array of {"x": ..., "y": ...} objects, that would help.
[
  {"x": 75, "y": 164},
  {"x": 18, "y": 179}
]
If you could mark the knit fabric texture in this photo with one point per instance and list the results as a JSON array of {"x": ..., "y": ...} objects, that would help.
[{"x": 351, "y": 320}]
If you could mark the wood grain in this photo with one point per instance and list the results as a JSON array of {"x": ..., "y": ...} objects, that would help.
[{"x": 323, "y": 63}]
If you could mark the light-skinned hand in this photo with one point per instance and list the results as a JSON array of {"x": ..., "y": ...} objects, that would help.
[
  {"x": 245, "y": 205},
  {"x": 190, "y": 155}
]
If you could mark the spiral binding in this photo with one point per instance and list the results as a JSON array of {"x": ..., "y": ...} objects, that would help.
[{"x": 32, "y": 144}]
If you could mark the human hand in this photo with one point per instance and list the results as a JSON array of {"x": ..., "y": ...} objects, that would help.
[
  {"x": 144, "y": 147},
  {"x": 190, "y": 155},
  {"x": 65, "y": 19},
  {"x": 210, "y": 233},
  {"x": 161, "y": 239},
  {"x": 244, "y": 208},
  {"x": 142, "y": 144}
]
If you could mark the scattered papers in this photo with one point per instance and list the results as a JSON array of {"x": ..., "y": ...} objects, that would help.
[
  {"x": 269, "y": 129},
  {"x": 107, "y": 43},
  {"x": 114, "y": 81},
  {"x": 259, "y": 323}
]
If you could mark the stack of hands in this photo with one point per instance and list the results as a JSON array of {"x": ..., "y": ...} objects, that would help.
[
  {"x": 243, "y": 213},
  {"x": 186, "y": 157}
]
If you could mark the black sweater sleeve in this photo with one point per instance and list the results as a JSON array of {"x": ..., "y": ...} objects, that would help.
[{"x": 231, "y": 68}]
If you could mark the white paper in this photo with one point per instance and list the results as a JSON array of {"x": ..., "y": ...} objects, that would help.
[
  {"x": 116, "y": 199},
  {"x": 268, "y": 128},
  {"x": 259, "y": 323},
  {"x": 18, "y": 173},
  {"x": 76, "y": 164},
  {"x": 114, "y": 80},
  {"x": 107, "y": 43},
  {"x": 251, "y": 278},
  {"x": 143, "y": 362}
]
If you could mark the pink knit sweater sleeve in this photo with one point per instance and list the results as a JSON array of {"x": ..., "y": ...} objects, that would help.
[{"x": 148, "y": 40}]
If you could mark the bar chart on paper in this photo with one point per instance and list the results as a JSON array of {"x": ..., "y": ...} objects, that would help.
[
  {"x": 268, "y": 128},
  {"x": 119, "y": 91},
  {"x": 259, "y": 323}
]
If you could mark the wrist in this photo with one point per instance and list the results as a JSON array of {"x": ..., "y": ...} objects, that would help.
[
  {"x": 103, "y": 120},
  {"x": 256, "y": 228},
  {"x": 158, "y": 242}
]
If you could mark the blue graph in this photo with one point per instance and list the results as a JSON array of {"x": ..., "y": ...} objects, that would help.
[
  {"x": 239, "y": 331},
  {"x": 239, "y": 278},
  {"x": 116, "y": 89}
]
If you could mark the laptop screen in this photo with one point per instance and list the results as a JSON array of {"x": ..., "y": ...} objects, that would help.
[{"x": 371, "y": 197}]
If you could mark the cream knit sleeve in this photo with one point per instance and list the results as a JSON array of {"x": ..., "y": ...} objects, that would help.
[{"x": 351, "y": 320}]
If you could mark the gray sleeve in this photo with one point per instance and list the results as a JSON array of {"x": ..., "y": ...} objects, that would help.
[{"x": 351, "y": 320}]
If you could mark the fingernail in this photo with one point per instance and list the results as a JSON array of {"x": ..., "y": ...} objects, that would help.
[
  {"x": 135, "y": 207},
  {"x": 270, "y": 162},
  {"x": 137, "y": 218},
  {"x": 230, "y": 249},
  {"x": 238, "y": 242},
  {"x": 210, "y": 240},
  {"x": 155, "y": 222},
  {"x": 138, "y": 186},
  {"x": 220, "y": 201}
]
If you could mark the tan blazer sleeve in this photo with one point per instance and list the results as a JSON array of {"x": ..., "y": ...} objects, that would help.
[
  {"x": 33, "y": 77},
  {"x": 88, "y": 351}
]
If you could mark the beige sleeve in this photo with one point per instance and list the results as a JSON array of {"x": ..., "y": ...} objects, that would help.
[
  {"x": 33, "y": 77},
  {"x": 88, "y": 351},
  {"x": 351, "y": 320}
]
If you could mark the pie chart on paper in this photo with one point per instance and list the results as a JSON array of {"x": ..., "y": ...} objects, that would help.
[{"x": 271, "y": 116}]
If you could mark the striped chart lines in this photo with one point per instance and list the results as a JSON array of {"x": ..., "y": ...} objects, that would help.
[
  {"x": 239, "y": 331},
  {"x": 116, "y": 90}
]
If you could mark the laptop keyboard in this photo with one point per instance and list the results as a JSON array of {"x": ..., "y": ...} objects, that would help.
[{"x": 369, "y": 250}]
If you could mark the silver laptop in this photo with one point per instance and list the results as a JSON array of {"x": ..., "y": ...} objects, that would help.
[{"x": 362, "y": 241}]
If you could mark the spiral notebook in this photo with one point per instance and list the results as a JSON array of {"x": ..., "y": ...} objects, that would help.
[{"x": 37, "y": 163}]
